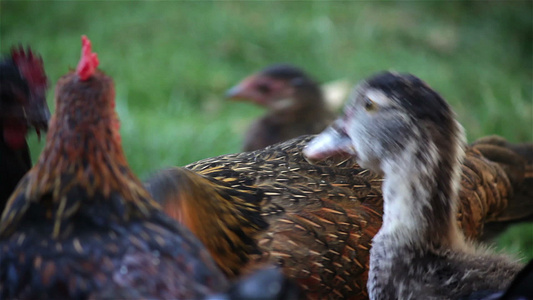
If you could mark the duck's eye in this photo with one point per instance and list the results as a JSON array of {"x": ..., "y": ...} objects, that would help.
[
  {"x": 369, "y": 104},
  {"x": 263, "y": 88}
]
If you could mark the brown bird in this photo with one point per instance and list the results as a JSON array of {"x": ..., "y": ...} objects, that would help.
[
  {"x": 23, "y": 86},
  {"x": 80, "y": 223},
  {"x": 321, "y": 217},
  {"x": 295, "y": 102}
]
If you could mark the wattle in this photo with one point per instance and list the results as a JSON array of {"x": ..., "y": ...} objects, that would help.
[{"x": 15, "y": 134}]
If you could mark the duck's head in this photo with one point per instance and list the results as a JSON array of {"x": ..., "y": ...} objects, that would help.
[
  {"x": 276, "y": 87},
  {"x": 389, "y": 115}
]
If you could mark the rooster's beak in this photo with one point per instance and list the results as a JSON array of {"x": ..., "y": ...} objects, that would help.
[{"x": 38, "y": 113}]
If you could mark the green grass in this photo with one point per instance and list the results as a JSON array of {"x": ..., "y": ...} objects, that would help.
[{"x": 172, "y": 62}]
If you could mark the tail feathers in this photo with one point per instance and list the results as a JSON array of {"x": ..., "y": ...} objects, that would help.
[
  {"x": 515, "y": 159},
  {"x": 226, "y": 219},
  {"x": 265, "y": 284},
  {"x": 517, "y": 162},
  {"x": 525, "y": 150}
]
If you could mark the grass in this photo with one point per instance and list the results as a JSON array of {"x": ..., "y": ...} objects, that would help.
[{"x": 172, "y": 62}]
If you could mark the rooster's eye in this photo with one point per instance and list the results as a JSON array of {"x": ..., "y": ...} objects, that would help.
[{"x": 369, "y": 104}]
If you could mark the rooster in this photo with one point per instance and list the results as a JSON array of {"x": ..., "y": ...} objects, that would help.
[
  {"x": 321, "y": 217},
  {"x": 80, "y": 224},
  {"x": 23, "y": 85}
]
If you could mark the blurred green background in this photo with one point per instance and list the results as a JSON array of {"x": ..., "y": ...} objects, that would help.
[{"x": 172, "y": 62}]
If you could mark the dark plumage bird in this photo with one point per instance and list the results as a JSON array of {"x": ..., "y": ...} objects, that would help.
[
  {"x": 316, "y": 221},
  {"x": 23, "y": 85},
  {"x": 80, "y": 224},
  {"x": 295, "y": 102},
  {"x": 398, "y": 126}
]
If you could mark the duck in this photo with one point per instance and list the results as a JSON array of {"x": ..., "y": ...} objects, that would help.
[
  {"x": 315, "y": 219},
  {"x": 295, "y": 103},
  {"x": 397, "y": 125}
]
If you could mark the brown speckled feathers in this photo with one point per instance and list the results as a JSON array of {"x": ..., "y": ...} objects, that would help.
[{"x": 321, "y": 217}]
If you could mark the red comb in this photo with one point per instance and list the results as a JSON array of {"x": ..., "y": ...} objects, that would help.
[
  {"x": 30, "y": 65},
  {"x": 89, "y": 60}
]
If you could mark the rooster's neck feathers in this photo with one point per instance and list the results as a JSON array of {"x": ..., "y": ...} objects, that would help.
[{"x": 83, "y": 158}]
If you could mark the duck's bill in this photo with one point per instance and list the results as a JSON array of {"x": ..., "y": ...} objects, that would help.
[
  {"x": 242, "y": 91},
  {"x": 332, "y": 142},
  {"x": 235, "y": 92}
]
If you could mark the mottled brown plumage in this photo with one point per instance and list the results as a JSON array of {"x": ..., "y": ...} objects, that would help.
[
  {"x": 237, "y": 206},
  {"x": 80, "y": 223},
  {"x": 321, "y": 217}
]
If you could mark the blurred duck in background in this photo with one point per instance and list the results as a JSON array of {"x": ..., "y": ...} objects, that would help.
[{"x": 295, "y": 102}]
